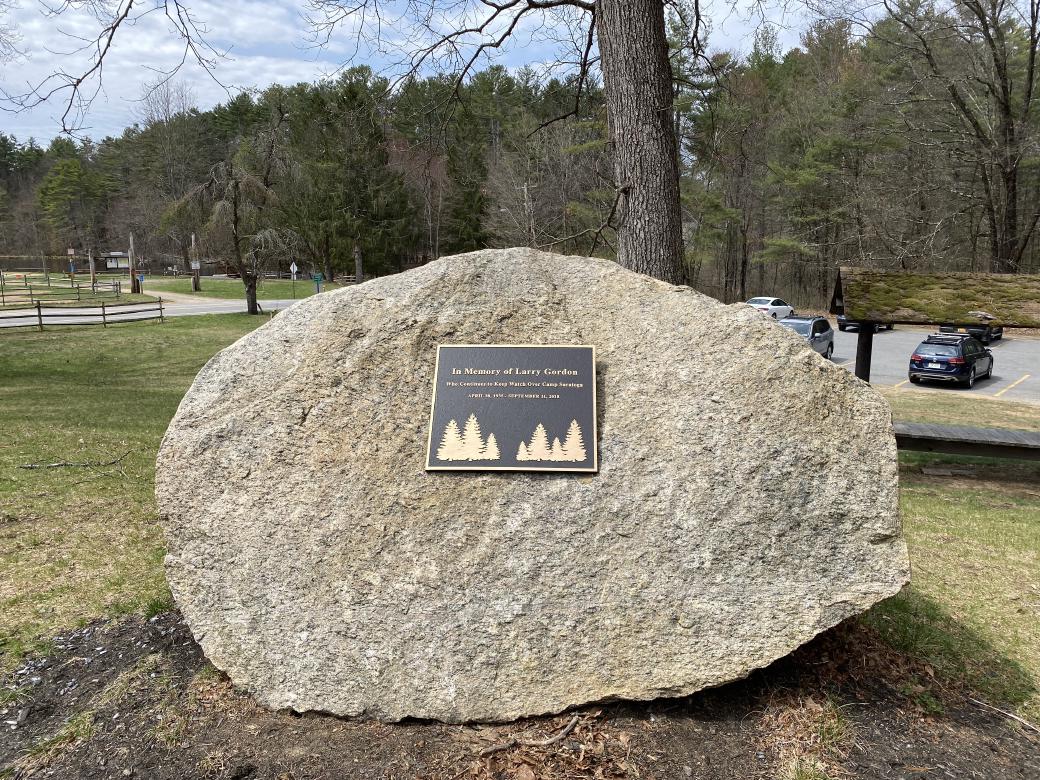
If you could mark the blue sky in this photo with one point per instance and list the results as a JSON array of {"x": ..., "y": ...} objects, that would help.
[{"x": 267, "y": 41}]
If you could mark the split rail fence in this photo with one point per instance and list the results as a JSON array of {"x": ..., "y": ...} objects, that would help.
[
  {"x": 106, "y": 314},
  {"x": 24, "y": 288}
]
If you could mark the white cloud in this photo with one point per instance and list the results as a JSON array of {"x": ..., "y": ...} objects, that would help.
[{"x": 267, "y": 41}]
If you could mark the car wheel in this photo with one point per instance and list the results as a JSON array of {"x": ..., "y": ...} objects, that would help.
[
  {"x": 970, "y": 381},
  {"x": 989, "y": 371},
  {"x": 889, "y": 326},
  {"x": 841, "y": 328},
  {"x": 829, "y": 354},
  {"x": 915, "y": 380}
]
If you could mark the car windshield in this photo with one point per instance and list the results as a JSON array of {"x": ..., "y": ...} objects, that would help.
[
  {"x": 938, "y": 350},
  {"x": 762, "y": 301},
  {"x": 798, "y": 326}
]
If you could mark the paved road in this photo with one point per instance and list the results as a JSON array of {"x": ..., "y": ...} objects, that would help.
[{"x": 1016, "y": 363}]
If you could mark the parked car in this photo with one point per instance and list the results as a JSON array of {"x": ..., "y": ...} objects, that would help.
[
  {"x": 844, "y": 323},
  {"x": 958, "y": 358},
  {"x": 816, "y": 330},
  {"x": 984, "y": 333},
  {"x": 774, "y": 307}
]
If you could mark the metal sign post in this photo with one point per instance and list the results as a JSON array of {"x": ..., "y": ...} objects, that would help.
[
  {"x": 196, "y": 281},
  {"x": 317, "y": 282}
]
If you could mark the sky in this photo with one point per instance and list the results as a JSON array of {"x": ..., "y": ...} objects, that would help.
[{"x": 263, "y": 42}]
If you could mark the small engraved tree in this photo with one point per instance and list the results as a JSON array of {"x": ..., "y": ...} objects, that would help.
[
  {"x": 557, "y": 451},
  {"x": 451, "y": 443},
  {"x": 573, "y": 446},
  {"x": 472, "y": 443},
  {"x": 491, "y": 449},
  {"x": 538, "y": 449},
  {"x": 521, "y": 452}
]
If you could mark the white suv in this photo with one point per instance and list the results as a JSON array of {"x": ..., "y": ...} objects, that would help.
[{"x": 774, "y": 307}]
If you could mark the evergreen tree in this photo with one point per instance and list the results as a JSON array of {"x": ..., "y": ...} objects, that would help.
[
  {"x": 451, "y": 447},
  {"x": 557, "y": 451},
  {"x": 491, "y": 450},
  {"x": 472, "y": 443},
  {"x": 539, "y": 447},
  {"x": 573, "y": 446}
]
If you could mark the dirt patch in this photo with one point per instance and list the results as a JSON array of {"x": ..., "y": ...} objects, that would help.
[{"x": 137, "y": 699}]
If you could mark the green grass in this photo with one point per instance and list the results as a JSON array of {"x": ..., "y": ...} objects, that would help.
[
  {"x": 946, "y": 408},
  {"x": 268, "y": 289},
  {"x": 972, "y": 612},
  {"x": 79, "y": 542}
]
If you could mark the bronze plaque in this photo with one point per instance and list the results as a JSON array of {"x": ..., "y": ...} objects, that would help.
[{"x": 503, "y": 407}]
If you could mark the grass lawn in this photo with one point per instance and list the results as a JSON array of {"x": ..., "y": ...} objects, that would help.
[
  {"x": 79, "y": 542},
  {"x": 268, "y": 289},
  {"x": 960, "y": 409}
]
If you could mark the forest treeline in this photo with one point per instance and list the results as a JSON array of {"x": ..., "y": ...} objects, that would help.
[{"x": 907, "y": 148}]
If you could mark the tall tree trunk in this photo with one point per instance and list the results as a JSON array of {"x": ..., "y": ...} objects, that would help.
[
  {"x": 1007, "y": 258},
  {"x": 359, "y": 271},
  {"x": 637, "y": 80},
  {"x": 251, "y": 305}
]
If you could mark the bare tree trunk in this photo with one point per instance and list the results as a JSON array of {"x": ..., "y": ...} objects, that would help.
[
  {"x": 359, "y": 272},
  {"x": 637, "y": 80},
  {"x": 251, "y": 305}
]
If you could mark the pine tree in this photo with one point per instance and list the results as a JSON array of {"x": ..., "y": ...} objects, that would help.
[
  {"x": 573, "y": 446},
  {"x": 451, "y": 444},
  {"x": 521, "y": 452},
  {"x": 491, "y": 449},
  {"x": 472, "y": 443},
  {"x": 557, "y": 451},
  {"x": 539, "y": 447}
]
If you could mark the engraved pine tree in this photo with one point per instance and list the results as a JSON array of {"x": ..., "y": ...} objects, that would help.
[
  {"x": 556, "y": 453},
  {"x": 472, "y": 443},
  {"x": 521, "y": 452},
  {"x": 573, "y": 446},
  {"x": 451, "y": 443},
  {"x": 538, "y": 449},
  {"x": 491, "y": 448}
]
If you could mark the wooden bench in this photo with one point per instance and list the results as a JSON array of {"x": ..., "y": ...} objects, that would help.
[{"x": 964, "y": 440}]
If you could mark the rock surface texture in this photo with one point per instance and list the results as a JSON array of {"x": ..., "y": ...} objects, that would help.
[{"x": 746, "y": 501}]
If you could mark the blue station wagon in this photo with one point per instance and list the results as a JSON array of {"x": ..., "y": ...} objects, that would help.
[{"x": 951, "y": 358}]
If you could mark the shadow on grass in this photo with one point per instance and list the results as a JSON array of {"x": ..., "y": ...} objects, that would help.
[{"x": 920, "y": 628}]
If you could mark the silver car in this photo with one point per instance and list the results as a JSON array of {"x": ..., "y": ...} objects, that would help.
[{"x": 816, "y": 330}]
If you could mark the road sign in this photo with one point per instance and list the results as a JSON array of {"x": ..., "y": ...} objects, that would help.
[
  {"x": 293, "y": 268},
  {"x": 140, "y": 278},
  {"x": 70, "y": 251},
  {"x": 195, "y": 265},
  {"x": 317, "y": 277}
]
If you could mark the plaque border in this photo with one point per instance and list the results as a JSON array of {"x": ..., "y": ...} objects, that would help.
[{"x": 476, "y": 469}]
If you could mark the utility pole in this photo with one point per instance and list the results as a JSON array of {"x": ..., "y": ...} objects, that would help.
[{"x": 93, "y": 270}]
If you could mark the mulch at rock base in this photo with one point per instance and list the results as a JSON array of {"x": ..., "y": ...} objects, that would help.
[{"x": 136, "y": 698}]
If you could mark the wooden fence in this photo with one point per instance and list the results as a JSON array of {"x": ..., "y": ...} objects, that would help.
[
  {"x": 106, "y": 314},
  {"x": 24, "y": 288}
]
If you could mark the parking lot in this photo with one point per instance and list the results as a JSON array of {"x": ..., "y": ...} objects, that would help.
[{"x": 1016, "y": 363}]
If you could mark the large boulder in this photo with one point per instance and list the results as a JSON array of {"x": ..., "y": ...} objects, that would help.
[{"x": 746, "y": 501}]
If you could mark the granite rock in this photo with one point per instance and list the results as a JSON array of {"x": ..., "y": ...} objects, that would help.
[{"x": 746, "y": 501}]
